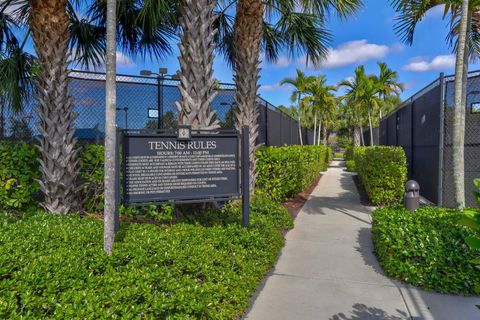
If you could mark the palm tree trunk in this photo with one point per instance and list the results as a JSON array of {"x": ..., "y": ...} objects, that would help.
[
  {"x": 357, "y": 141},
  {"x": 458, "y": 137},
  {"x": 110, "y": 130},
  {"x": 58, "y": 164},
  {"x": 300, "y": 119},
  {"x": 362, "y": 139},
  {"x": 319, "y": 130},
  {"x": 196, "y": 65},
  {"x": 315, "y": 129},
  {"x": 325, "y": 138},
  {"x": 370, "y": 126},
  {"x": 248, "y": 39}
]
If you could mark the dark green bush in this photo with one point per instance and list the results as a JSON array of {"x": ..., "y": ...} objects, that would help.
[
  {"x": 350, "y": 165},
  {"x": 349, "y": 153},
  {"x": 425, "y": 248},
  {"x": 18, "y": 171},
  {"x": 383, "y": 171},
  {"x": 329, "y": 154},
  {"x": 54, "y": 266},
  {"x": 285, "y": 171}
]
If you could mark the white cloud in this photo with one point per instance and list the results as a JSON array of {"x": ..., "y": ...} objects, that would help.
[
  {"x": 124, "y": 61},
  {"x": 350, "y": 53},
  {"x": 274, "y": 87},
  {"x": 282, "y": 62},
  {"x": 438, "y": 63}
]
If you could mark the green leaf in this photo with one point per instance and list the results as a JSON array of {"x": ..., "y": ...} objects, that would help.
[{"x": 473, "y": 242}]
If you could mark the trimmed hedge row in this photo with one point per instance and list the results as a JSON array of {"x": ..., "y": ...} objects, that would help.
[
  {"x": 383, "y": 171},
  {"x": 285, "y": 171},
  {"x": 282, "y": 172},
  {"x": 54, "y": 266},
  {"x": 426, "y": 248},
  {"x": 18, "y": 171}
]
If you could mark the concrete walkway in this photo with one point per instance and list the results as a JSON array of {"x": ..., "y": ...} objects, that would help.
[{"x": 327, "y": 269}]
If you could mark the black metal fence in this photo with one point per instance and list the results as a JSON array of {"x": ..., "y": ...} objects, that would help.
[
  {"x": 422, "y": 125},
  {"x": 145, "y": 103}
]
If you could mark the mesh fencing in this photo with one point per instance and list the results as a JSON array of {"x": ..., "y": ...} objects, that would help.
[
  {"x": 145, "y": 103},
  {"x": 423, "y": 127}
]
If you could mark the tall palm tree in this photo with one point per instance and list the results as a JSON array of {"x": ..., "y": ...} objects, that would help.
[
  {"x": 320, "y": 100},
  {"x": 196, "y": 65},
  {"x": 297, "y": 26},
  {"x": 56, "y": 30},
  {"x": 362, "y": 95},
  {"x": 464, "y": 39},
  {"x": 388, "y": 84},
  {"x": 300, "y": 83},
  {"x": 458, "y": 138}
]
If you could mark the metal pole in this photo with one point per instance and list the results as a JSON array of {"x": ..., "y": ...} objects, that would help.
[
  {"x": 117, "y": 182},
  {"x": 160, "y": 101},
  {"x": 126, "y": 117},
  {"x": 441, "y": 138},
  {"x": 245, "y": 177}
]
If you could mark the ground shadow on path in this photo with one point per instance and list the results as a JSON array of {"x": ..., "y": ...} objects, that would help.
[{"x": 363, "y": 312}]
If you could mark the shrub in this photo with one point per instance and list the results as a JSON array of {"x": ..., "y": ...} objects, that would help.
[
  {"x": 350, "y": 165},
  {"x": 54, "y": 266},
  {"x": 426, "y": 248},
  {"x": 383, "y": 171},
  {"x": 349, "y": 153},
  {"x": 18, "y": 171},
  {"x": 339, "y": 155},
  {"x": 285, "y": 171},
  {"x": 329, "y": 154}
]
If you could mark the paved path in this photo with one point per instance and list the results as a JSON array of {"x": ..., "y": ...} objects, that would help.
[{"x": 327, "y": 270}]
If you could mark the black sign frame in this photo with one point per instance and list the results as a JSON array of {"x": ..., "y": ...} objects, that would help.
[{"x": 242, "y": 161}]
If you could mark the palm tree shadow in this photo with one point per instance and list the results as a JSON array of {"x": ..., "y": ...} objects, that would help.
[{"x": 363, "y": 312}]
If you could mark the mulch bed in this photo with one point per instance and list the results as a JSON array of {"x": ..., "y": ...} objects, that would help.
[{"x": 295, "y": 204}]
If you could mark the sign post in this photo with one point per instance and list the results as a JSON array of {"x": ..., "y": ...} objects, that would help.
[
  {"x": 184, "y": 166},
  {"x": 245, "y": 177}
]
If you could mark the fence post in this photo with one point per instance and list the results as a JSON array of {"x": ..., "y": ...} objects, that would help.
[
  {"x": 267, "y": 142},
  {"x": 441, "y": 138}
]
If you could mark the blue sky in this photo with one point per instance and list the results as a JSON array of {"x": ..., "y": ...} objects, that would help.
[{"x": 362, "y": 40}]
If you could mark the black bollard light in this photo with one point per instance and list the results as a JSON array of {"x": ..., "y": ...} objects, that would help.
[{"x": 412, "y": 195}]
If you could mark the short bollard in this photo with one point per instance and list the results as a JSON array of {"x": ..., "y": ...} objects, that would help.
[{"x": 412, "y": 195}]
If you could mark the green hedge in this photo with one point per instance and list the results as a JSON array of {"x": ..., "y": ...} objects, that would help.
[
  {"x": 18, "y": 171},
  {"x": 425, "y": 248},
  {"x": 54, "y": 267},
  {"x": 349, "y": 153},
  {"x": 383, "y": 171},
  {"x": 286, "y": 171},
  {"x": 350, "y": 164}
]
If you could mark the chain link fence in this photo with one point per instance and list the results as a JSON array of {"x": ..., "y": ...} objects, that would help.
[
  {"x": 423, "y": 125},
  {"x": 145, "y": 103}
]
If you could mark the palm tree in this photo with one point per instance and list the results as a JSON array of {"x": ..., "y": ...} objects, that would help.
[
  {"x": 56, "y": 30},
  {"x": 388, "y": 84},
  {"x": 297, "y": 26},
  {"x": 320, "y": 100},
  {"x": 110, "y": 130},
  {"x": 362, "y": 95},
  {"x": 300, "y": 83},
  {"x": 464, "y": 39},
  {"x": 196, "y": 65},
  {"x": 458, "y": 138}
]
